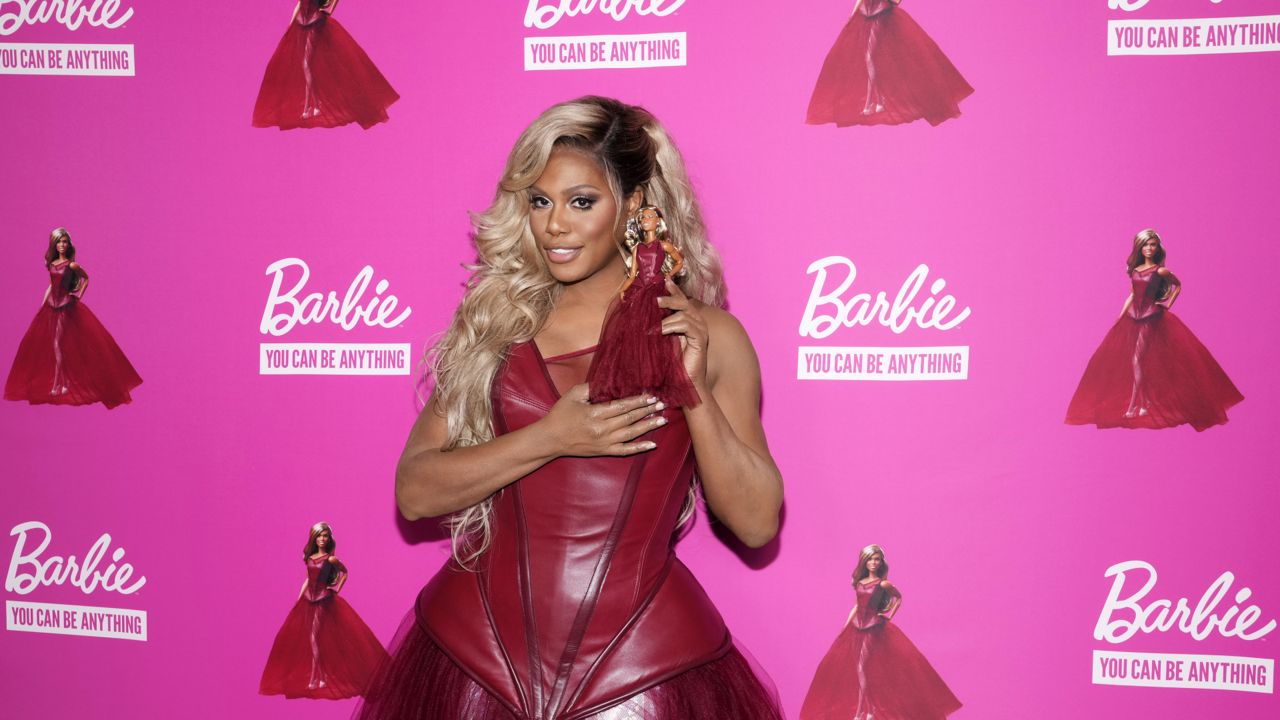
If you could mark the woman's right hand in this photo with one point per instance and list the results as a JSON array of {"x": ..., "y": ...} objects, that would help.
[{"x": 577, "y": 428}]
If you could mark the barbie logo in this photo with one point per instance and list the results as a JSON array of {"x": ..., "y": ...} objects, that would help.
[
  {"x": 315, "y": 307},
  {"x": 829, "y": 309},
  {"x": 1131, "y": 5},
  {"x": 1123, "y": 616},
  {"x": 28, "y": 570},
  {"x": 543, "y": 14},
  {"x": 71, "y": 14}
]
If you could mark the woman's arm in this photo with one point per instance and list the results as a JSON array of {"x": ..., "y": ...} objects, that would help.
[
  {"x": 631, "y": 273},
  {"x": 895, "y": 600},
  {"x": 1173, "y": 288},
  {"x": 431, "y": 482},
  {"x": 739, "y": 478},
  {"x": 82, "y": 280},
  {"x": 1127, "y": 302},
  {"x": 340, "y": 571}
]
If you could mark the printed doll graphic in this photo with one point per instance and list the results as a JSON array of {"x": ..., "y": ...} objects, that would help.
[
  {"x": 634, "y": 357},
  {"x": 320, "y": 77},
  {"x": 872, "y": 671},
  {"x": 323, "y": 650},
  {"x": 1150, "y": 371},
  {"x": 885, "y": 70},
  {"x": 67, "y": 357}
]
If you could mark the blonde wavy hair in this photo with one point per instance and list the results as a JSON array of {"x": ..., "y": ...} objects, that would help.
[{"x": 511, "y": 292}]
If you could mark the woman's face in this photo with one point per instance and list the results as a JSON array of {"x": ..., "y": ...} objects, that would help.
[
  {"x": 874, "y": 562},
  {"x": 322, "y": 539},
  {"x": 573, "y": 215},
  {"x": 649, "y": 220},
  {"x": 1150, "y": 248}
]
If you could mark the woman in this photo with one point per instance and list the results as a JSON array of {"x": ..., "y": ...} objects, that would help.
[
  {"x": 1150, "y": 370},
  {"x": 320, "y": 77},
  {"x": 884, "y": 69},
  {"x": 564, "y": 599},
  {"x": 323, "y": 650},
  {"x": 872, "y": 670},
  {"x": 67, "y": 357}
]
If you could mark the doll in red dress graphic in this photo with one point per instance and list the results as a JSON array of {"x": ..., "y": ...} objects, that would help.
[
  {"x": 1150, "y": 370},
  {"x": 634, "y": 357},
  {"x": 323, "y": 650},
  {"x": 67, "y": 357},
  {"x": 885, "y": 70},
  {"x": 320, "y": 77},
  {"x": 872, "y": 671}
]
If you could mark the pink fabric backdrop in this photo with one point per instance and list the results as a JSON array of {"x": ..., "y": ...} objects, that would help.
[{"x": 999, "y": 521}]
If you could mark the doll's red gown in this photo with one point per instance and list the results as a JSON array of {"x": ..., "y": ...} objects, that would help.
[
  {"x": 885, "y": 70},
  {"x": 320, "y": 77},
  {"x": 1151, "y": 372},
  {"x": 873, "y": 672},
  {"x": 67, "y": 357},
  {"x": 323, "y": 650},
  {"x": 634, "y": 357},
  {"x": 579, "y": 606}
]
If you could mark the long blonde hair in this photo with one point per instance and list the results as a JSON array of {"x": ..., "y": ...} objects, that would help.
[{"x": 511, "y": 292}]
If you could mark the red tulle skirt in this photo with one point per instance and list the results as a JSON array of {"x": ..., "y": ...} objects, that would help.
[
  {"x": 323, "y": 650},
  {"x": 1152, "y": 373},
  {"x": 635, "y": 358},
  {"x": 320, "y": 77},
  {"x": 908, "y": 77},
  {"x": 422, "y": 683},
  {"x": 68, "y": 358},
  {"x": 876, "y": 674}
]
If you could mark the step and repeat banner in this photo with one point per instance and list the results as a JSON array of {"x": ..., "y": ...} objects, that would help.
[{"x": 1007, "y": 270}]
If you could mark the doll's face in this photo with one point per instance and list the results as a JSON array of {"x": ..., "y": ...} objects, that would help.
[
  {"x": 322, "y": 539},
  {"x": 574, "y": 218},
  {"x": 1150, "y": 248},
  {"x": 649, "y": 220},
  {"x": 62, "y": 245},
  {"x": 873, "y": 564}
]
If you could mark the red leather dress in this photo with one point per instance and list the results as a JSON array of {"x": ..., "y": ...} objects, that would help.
[
  {"x": 1151, "y": 371},
  {"x": 323, "y": 649},
  {"x": 320, "y": 77},
  {"x": 579, "y": 605},
  {"x": 67, "y": 357},
  {"x": 884, "y": 69},
  {"x": 873, "y": 672}
]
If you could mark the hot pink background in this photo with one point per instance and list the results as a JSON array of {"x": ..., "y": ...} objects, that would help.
[{"x": 998, "y": 519}]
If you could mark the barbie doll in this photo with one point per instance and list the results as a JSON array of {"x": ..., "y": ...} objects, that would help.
[
  {"x": 1150, "y": 371},
  {"x": 872, "y": 670},
  {"x": 320, "y": 77},
  {"x": 634, "y": 356},
  {"x": 323, "y": 650},
  {"x": 885, "y": 70},
  {"x": 67, "y": 357},
  {"x": 564, "y": 599}
]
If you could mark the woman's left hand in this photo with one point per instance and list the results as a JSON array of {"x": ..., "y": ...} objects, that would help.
[{"x": 686, "y": 320}]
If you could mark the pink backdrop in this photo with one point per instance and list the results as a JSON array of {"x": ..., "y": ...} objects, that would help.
[{"x": 999, "y": 520}]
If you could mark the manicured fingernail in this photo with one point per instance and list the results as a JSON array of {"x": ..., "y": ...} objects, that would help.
[
  {"x": 661, "y": 421},
  {"x": 651, "y": 400},
  {"x": 650, "y": 445},
  {"x": 660, "y": 406}
]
